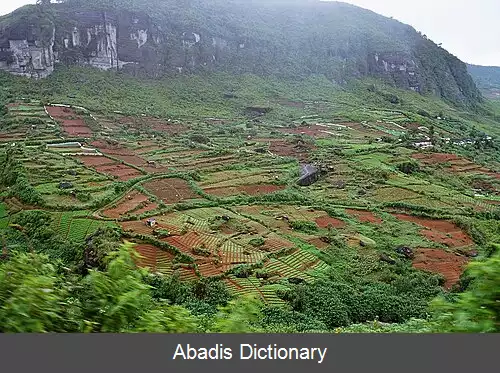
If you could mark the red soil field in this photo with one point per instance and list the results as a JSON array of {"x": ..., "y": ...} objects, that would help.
[
  {"x": 458, "y": 164},
  {"x": 186, "y": 242},
  {"x": 276, "y": 244},
  {"x": 320, "y": 244},
  {"x": 149, "y": 207},
  {"x": 136, "y": 226},
  {"x": 440, "y": 231},
  {"x": 286, "y": 149},
  {"x": 12, "y": 136},
  {"x": 187, "y": 274},
  {"x": 210, "y": 269},
  {"x": 252, "y": 190},
  {"x": 151, "y": 255},
  {"x": 171, "y": 190},
  {"x": 365, "y": 130},
  {"x": 364, "y": 216},
  {"x": 126, "y": 155},
  {"x": 325, "y": 221},
  {"x": 450, "y": 265},
  {"x": 93, "y": 160},
  {"x": 121, "y": 171},
  {"x": 127, "y": 203},
  {"x": 72, "y": 124}
]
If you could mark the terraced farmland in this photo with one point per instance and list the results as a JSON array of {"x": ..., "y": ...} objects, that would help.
[{"x": 200, "y": 203}]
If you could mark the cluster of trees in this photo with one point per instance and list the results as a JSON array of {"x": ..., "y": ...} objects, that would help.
[{"x": 13, "y": 176}]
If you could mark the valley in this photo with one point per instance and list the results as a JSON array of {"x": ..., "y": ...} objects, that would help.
[
  {"x": 205, "y": 198},
  {"x": 221, "y": 166}
]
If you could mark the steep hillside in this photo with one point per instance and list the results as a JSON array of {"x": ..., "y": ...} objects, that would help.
[
  {"x": 487, "y": 79},
  {"x": 281, "y": 37}
]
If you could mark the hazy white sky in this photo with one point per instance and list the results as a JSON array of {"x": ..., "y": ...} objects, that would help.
[{"x": 468, "y": 29}]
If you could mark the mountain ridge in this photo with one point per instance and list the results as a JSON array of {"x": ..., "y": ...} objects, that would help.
[
  {"x": 487, "y": 79},
  {"x": 283, "y": 38}
]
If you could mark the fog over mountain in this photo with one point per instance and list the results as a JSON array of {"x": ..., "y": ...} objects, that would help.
[{"x": 464, "y": 27}]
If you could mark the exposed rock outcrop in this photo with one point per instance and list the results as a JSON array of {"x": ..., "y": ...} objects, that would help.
[{"x": 285, "y": 38}]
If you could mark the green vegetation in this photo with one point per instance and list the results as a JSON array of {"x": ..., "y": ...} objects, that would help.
[
  {"x": 194, "y": 176},
  {"x": 487, "y": 79}
]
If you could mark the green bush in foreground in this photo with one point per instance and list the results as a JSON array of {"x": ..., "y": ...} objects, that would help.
[{"x": 477, "y": 309}]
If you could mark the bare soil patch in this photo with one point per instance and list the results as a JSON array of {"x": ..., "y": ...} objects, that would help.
[
  {"x": 287, "y": 149},
  {"x": 72, "y": 123},
  {"x": 150, "y": 255},
  {"x": 440, "y": 231},
  {"x": 364, "y": 216},
  {"x": 310, "y": 130},
  {"x": 275, "y": 244},
  {"x": 136, "y": 226},
  {"x": 126, "y": 155},
  {"x": 171, "y": 190},
  {"x": 119, "y": 170},
  {"x": 92, "y": 160},
  {"x": 318, "y": 242},
  {"x": 210, "y": 269},
  {"x": 326, "y": 221},
  {"x": 450, "y": 265},
  {"x": 457, "y": 164},
  {"x": 126, "y": 204},
  {"x": 435, "y": 158}
]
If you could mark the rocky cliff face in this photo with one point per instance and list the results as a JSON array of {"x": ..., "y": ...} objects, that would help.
[
  {"x": 274, "y": 37},
  {"x": 28, "y": 49}
]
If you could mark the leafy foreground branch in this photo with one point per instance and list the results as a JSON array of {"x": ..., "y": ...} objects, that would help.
[
  {"x": 40, "y": 295},
  {"x": 37, "y": 296}
]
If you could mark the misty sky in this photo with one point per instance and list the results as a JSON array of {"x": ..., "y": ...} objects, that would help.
[{"x": 467, "y": 28}]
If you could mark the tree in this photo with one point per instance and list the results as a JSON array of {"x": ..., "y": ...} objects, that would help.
[
  {"x": 37, "y": 296},
  {"x": 239, "y": 316},
  {"x": 117, "y": 300},
  {"x": 476, "y": 310},
  {"x": 33, "y": 297}
]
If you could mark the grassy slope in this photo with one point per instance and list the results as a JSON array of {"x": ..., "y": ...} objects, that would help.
[{"x": 203, "y": 95}]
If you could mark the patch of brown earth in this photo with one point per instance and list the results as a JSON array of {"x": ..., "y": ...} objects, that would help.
[
  {"x": 450, "y": 265},
  {"x": 171, "y": 190},
  {"x": 326, "y": 221},
  {"x": 287, "y": 149},
  {"x": 440, "y": 231},
  {"x": 92, "y": 160},
  {"x": 151, "y": 256},
  {"x": 365, "y": 216},
  {"x": 72, "y": 123},
  {"x": 319, "y": 243},
  {"x": 126, "y": 204},
  {"x": 120, "y": 171}
]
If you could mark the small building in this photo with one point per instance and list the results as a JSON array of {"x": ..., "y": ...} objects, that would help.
[{"x": 151, "y": 222}]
